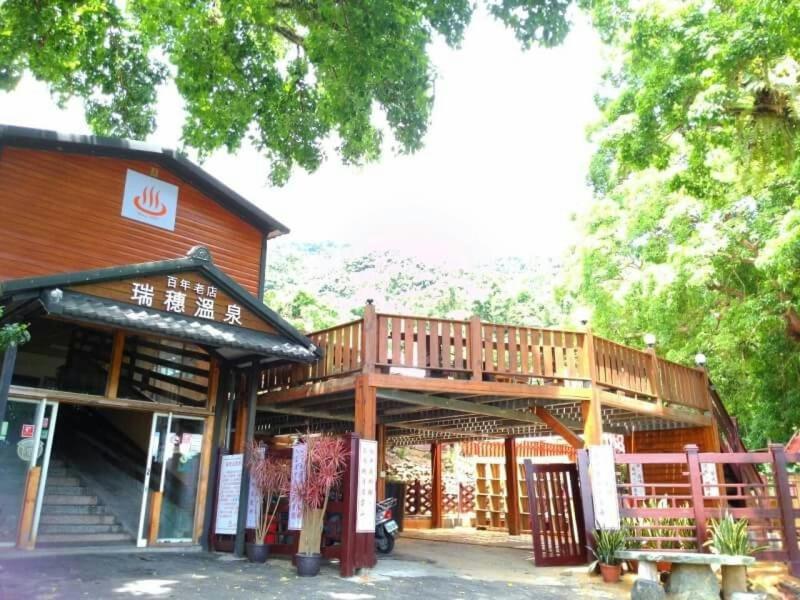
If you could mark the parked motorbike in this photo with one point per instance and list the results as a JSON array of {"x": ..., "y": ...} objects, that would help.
[{"x": 385, "y": 526}]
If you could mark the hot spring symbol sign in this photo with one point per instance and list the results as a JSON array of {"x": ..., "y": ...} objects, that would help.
[{"x": 150, "y": 200}]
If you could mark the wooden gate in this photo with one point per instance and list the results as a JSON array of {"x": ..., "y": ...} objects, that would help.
[{"x": 556, "y": 512}]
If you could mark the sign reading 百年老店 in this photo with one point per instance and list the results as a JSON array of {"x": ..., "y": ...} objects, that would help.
[
  {"x": 604, "y": 487},
  {"x": 298, "y": 479},
  {"x": 230, "y": 481},
  {"x": 367, "y": 480},
  {"x": 150, "y": 200}
]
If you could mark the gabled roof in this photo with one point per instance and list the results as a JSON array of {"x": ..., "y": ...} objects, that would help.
[
  {"x": 25, "y": 137},
  {"x": 198, "y": 259}
]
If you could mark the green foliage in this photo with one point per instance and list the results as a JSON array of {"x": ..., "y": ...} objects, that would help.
[
  {"x": 678, "y": 532},
  {"x": 607, "y": 542},
  {"x": 303, "y": 311},
  {"x": 12, "y": 333},
  {"x": 285, "y": 74},
  {"x": 694, "y": 234},
  {"x": 729, "y": 536}
]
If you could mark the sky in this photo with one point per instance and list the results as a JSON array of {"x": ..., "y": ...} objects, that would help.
[{"x": 502, "y": 171}]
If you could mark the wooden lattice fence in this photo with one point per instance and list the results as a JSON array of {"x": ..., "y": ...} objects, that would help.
[{"x": 418, "y": 501}]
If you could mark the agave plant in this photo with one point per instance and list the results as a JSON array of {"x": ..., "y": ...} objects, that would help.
[
  {"x": 729, "y": 536},
  {"x": 607, "y": 543}
]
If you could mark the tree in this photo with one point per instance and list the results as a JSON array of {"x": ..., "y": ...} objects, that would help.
[
  {"x": 695, "y": 231},
  {"x": 285, "y": 74},
  {"x": 12, "y": 333}
]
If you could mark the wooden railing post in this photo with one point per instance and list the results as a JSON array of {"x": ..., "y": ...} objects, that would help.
[
  {"x": 783, "y": 491},
  {"x": 653, "y": 375},
  {"x": 592, "y": 410},
  {"x": 698, "y": 498},
  {"x": 369, "y": 339},
  {"x": 475, "y": 348}
]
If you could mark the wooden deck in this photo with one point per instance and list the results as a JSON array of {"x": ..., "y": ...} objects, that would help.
[{"x": 446, "y": 379}]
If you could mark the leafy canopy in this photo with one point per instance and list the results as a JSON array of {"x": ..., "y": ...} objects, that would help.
[
  {"x": 694, "y": 234},
  {"x": 285, "y": 74},
  {"x": 12, "y": 333}
]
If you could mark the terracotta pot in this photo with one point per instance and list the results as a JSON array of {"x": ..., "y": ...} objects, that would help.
[
  {"x": 308, "y": 564},
  {"x": 257, "y": 553},
  {"x": 610, "y": 573},
  {"x": 663, "y": 566}
]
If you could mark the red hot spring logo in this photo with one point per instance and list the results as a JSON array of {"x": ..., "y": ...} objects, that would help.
[{"x": 150, "y": 200}]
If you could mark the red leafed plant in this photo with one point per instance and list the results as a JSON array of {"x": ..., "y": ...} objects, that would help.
[
  {"x": 326, "y": 458},
  {"x": 270, "y": 477}
]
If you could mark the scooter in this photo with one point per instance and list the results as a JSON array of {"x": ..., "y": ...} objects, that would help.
[{"x": 385, "y": 526}]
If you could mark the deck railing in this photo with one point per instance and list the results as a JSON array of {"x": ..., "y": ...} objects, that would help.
[{"x": 432, "y": 347}]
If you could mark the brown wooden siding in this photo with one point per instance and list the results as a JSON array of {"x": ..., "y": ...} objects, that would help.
[
  {"x": 60, "y": 212},
  {"x": 665, "y": 441}
]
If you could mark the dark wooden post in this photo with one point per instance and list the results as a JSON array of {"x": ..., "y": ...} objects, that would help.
[
  {"x": 250, "y": 424},
  {"x": 475, "y": 348},
  {"x": 512, "y": 486},
  {"x": 220, "y": 410},
  {"x": 380, "y": 435},
  {"x": 784, "y": 492},
  {"x": 698, "y": 498},
  {"x": 437, "y": 520},
  {"x": 587, "y": 504},
  {"x": 369, "y": 339},
  {"x": 417, "y": 497},
  {"x": 365, "y": 408},
  {"x": 6, "y": 372},
  {"x": 358, "y": 549},
  {"x": 115, "y": 364}
]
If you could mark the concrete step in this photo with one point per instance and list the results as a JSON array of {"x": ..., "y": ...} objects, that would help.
[
  {"x": 59, "y": 472},
  {"x": 64, "y": 490},
  {"x": 73, "y": 509},
  {"x": 82, "y": 538},
  {"x": 79, "y": 519},
  {"x": 62, "y": 481},
  {"x": 79, "y": 529},
  {"x": 74, "y": 500}
]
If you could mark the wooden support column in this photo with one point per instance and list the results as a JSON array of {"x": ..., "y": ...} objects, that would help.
[
  {"x": 155, "y": 517},
  {"x": 512, "y": 487},
  {"x": 6, "y": 372},
  {"x": 28, "y": 508},
  {"x": 216, "y": 448},
  {"x": 380, "y": 435},
  {"x": 115, "y": 365},
  {"x": 365, "y": 409},
  {"x": 785, "y": 503},
  {"x": 249, "y": 428},
  {"x": 591, "y": 410},
  {"x": 437, "y": 517},
  {"x": 369, "y": 339},
  {"x": 475, "y": 348},
  {"x": 206, "y": 453}
]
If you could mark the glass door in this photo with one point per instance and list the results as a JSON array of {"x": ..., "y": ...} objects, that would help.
[{"x": 176, "y": 444}]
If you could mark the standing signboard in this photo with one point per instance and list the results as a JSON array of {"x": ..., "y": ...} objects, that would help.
[
  {"x": 230, "y": 480},
  {"x": 298, "y": 479},
  {"x": 604, "y": 487},
  {"x": 367, "y": 481}
]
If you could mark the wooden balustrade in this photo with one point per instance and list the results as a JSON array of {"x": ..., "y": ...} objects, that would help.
[
  {"x": 435, "y": 345},
  {"x": 683, "y": 385},
  {"x": 623, "y": 368}
]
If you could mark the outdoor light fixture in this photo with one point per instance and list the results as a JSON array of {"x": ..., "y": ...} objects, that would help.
[
  {"x": 650, "y": 340},
  {"x": 700, "y": 359},
  {"x": 582, "y": 314}
]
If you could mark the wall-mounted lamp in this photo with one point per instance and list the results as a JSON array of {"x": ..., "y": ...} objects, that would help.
[
  {"x": 700, "y": 359},
  {"x": 650, "y": 340},
  {"x": 583, "y": 314}
]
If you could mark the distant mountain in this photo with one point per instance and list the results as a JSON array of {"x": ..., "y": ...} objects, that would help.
[{"x": 318, "y": 285}]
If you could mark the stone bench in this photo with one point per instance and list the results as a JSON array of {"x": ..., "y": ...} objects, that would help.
[{"x": 691, "y": 576}]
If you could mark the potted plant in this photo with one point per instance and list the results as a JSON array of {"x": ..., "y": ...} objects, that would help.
[
  {"x": 325, "y": 461},
  {"x": 269, "y": 479},
  {"x": 729, "y": 536},
  {"x": 607, "y": 543}
]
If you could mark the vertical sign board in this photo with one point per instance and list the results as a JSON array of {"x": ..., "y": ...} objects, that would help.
[
  {"x": 298, "y": 479},
  {"x": 254, "y": 499},
  {"x": 150, "y": 200},
  {"x": 708, "y": 473},
  {"x": 604, "y": 487},
  {"x": 230, "y": 480},
  {"x": 637, "y": 477},
  {"x": 367, "y": 481}
]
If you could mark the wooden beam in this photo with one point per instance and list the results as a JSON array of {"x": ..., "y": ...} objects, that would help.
[
  {"x": 557, "y": 426},
  {"x": 313, "y": 414},
  {"x": 365, "y": 409},
  {"x": 648, "y": 408},
  {"x": 321, "y": 388},
  {"x": 115, "y": 364},
  {"x": 458, "y": 405}
]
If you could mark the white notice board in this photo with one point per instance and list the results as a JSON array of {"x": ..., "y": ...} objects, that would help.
[
  {"x": 367, "y": 480},
  {"x": 253, "y": 498},
  {"x": 604, "y": 487},
  {"x": 298, "y": 479},
  {"x": 230, "y": 482}
]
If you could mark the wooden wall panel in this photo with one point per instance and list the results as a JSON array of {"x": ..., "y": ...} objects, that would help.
[
  {"x": 669, "y": 440},
  {"x": 60, "y": 212}
]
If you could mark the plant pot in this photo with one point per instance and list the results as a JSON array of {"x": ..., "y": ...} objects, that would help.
[
  {"x": 257, "y": 553},
  {"x": 663, "y": 566},
  {"x": 308, "y": 564},
  {"x": 610, "y": 573}
]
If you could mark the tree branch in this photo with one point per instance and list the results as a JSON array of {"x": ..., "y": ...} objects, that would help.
[{"x": 290, "y": 35}]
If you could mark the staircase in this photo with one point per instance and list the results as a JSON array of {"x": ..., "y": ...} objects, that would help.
[{"x": 72, "y": 515}]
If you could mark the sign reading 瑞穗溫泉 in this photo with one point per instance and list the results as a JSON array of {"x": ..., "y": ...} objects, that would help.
[
  {"x": 150, "y": 200},
  {"x": 186, "y": 296},
  {"x": 298, "y": 480},
  {"x": 367, "y": 480},
  {"x": 230, "y": 481},
  {"x": 604, "y": 487}
]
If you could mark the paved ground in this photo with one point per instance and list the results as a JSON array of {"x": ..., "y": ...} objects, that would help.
[{"x": 417, "y": 568}]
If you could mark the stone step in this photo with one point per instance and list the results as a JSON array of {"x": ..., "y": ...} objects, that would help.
[
  {"x": 62, "y": 481},
  {"x": 77, "y": 519},
  {"x": 75, "y": 500},
  {"x": 72, "y": 509},
  {"x": 63, "y": 490},
  {"x": 82, "y": 538},
  {"x": 79, "y": 529},
  {"x": 59, "y": 472}
]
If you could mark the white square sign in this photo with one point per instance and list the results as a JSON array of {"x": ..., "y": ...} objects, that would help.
[{"x": 150, "y": 200}]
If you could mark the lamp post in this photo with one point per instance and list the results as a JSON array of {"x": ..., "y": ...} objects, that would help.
[{"x": 650, "y": 340}]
